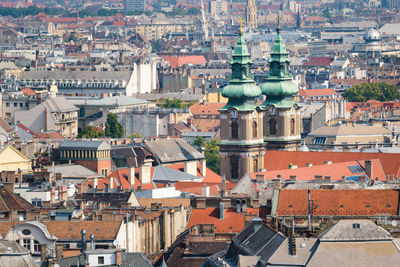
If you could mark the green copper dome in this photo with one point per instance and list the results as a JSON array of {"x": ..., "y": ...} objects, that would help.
[
  {"x": 241, "y": 89},
  {"x": 279, "y": 82}
]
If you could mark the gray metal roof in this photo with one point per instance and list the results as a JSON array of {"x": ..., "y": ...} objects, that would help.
[
  {"x": 173, "y": 150},
  {"x": 59, "y": 104},
  {"x": 72, "y": 171},
  {"x": 85, "y": 145},
  {"x": 203, "y": 134},
  {"x": 355, "y": 230},
  {"x": 164, "y": 175},
  {"x": 75, "y": 75},
  {"x": 112, "y": 101}
]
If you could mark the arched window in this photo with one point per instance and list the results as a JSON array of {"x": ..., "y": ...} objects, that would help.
[
  {"x": 255, "y": 164},
  {"x": 234, "y": 130},
  {"x": 272, "y": 126},
  {"x": 255, "y": 130},
  {"x": 234, "y": 162},
  {"x": 292, "y": 127}
]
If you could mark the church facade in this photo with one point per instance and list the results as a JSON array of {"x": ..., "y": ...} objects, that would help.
[{"x": 248, "y": 128}]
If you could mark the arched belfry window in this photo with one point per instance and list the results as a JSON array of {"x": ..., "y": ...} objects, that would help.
[
  {"x": 292, "y": 126},
  {"x": 234, "y": 162},
  {"x": 234, "y": 130},
  {"x": 254, "y": 129},
  {"x": 272, "y": 126}
]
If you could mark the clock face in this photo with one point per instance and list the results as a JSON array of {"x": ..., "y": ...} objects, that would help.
[
  {"x": 272, "y": 111},
  {"x": 234, "y": 113}
]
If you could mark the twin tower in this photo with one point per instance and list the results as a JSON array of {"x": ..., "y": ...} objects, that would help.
[{"x": 248, "y": 127}]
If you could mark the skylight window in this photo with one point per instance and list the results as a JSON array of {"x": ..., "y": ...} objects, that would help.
[{"x": 319, "y": 140}]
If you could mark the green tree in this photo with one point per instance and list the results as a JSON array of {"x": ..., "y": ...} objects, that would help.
[
  {"x": 91, "y": 132},
  {"x": 193, "y": 11},
  {"x": 114, "y": 129},
  {"x": 369, "y": 91},
  {"x": 211, "y": 152},
  {"x": 175, "y": 103}
]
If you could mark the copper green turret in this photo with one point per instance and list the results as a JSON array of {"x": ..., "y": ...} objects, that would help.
[
  {"x": 241, "y": 90},
  {"x": 279, "y": 88}
]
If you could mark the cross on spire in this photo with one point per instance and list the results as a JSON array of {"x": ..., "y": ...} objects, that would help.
[{"x": 240, "y": 29}]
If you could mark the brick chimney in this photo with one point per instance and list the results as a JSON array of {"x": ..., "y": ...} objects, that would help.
[
  {"x": 131, "y": 175},
  {"x": 145, "y": 171},
  {"x": 369, "y": 168},
  {"x": 118, "y": 257}
]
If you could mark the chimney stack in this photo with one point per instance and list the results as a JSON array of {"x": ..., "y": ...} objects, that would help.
[
  {"x": 131, "y": 175},
  {"x": 221, "y": 211},
  {"x": 369, "y": 169},
  {"x": 83, "y": 233}
]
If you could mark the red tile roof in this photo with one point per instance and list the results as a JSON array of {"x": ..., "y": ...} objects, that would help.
[
  {"x": 28, "y": 92},
  {"x": 316, "y": 92},
  {"x": 195, "y": 188},
  {"x": 233, "y": 222},
  {"x": 177, "y": 61},
  {"x": 335, "y": 171},
  {"x": 121, "y": 175},
  {"x": 319, "y": 61},
  {"x": 206, "y": 108},
  {"x": 338, "y": 202},
  {"x": 280, "y": 160}
]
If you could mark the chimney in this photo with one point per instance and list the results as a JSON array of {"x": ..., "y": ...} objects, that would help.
[
  {"x": 95, "y": 183},
  {"x": 244, "y": 206},
  {"x": 118, "y": 256},
  {"x": 276, "y": 183},
  {"x": 19, "y": 176},
  {"x": 111, "y": 183},
  {"x": 238, "y": 206},
  {"x": 92, "y": 246},
  {"x": 327, "y": 178},
  {"x": 369, "y": 169},
  {"x": 145, "y": 172},
  {"x": 59, "y": 251},
  {"x": 259, "y": 178},
  {"x": 205, "y": 191},
  {"x": 223, "y": 185},
  {"x": 292, "y": 246},
  {"x": 189, "y": 122},
  {"x": 221, "y": 211},
  {"x": 309, "y": 209},
  {"x": 52, "y": 194},
  {"x": 83, "y": 234},
  {"x": 328, "y": 162},
  {"x": 43, "y": 252},
  {"x": 190, "y": 167},
  {"x": 131, "y": 176},
  {"x": 121, "y": 58},
  {"x": 308, "y": 164},
  {"x": 203, "y": 167}
]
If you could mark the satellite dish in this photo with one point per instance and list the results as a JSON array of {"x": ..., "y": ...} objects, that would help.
[
  {"x": 115, "y": 242},
  {"x": 57, "y": 265},
  {"x": 395, "y": 223},
  {"x": 21, "y": 218}
]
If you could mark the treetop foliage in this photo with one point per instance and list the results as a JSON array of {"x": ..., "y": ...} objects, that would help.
[{"x": 372, "y": 91}]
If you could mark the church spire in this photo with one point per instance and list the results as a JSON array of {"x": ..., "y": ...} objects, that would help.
[{"x": 241, "y": 89}]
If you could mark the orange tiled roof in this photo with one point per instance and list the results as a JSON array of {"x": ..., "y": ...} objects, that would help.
[
  {"x": 28, "y": 92},
  {"x": 206, "y": 108},
  {"x": 195, "y": 188},
  {"x": 177, "y": 61},
  {"x": 280, "y": 160},
  {"x": 338, "y": 202},
  {"x": 233, "y": 222},
  {"x": 335, "y": 171},
  {"x": 316, "y": 92}
]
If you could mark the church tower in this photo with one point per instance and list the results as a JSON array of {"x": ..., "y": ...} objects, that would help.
[
  {"x": 241, "y": 144},
  {"x": 251, "y": 14},
  {"x": 282, "y": 118}
]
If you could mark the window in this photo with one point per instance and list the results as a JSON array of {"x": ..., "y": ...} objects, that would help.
[
  {"x": 26, "y": 232},
  {"x": 234, "y": 130},
  {"x": 255, "y": 164},
  {"x": 234, "y": 161},
  {"x": 21, "y": 105},
  {"x": 292, "y": 127},
  {"x": 319, "y": 140},
  {"x": 100, "y": 260},
  {"x": 37, "y": 202},
  {"x": 15, "y": 104},
  {"x": 7, "y": 104},
  {"x": 27, "y": 244},
  {"x": 272, "y": 126},
  {"x": 356, "y": 226},
  {"x": 254, "y": 129},
  {"x": 36, "y": 246}
]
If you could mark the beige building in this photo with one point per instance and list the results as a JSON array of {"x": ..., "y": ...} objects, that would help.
[
  {"x": 218, "y": 6},
  {"x": 54, "y": 114},
  {"x": 348, "y": 136},
  {"x": 11, "y": 159}
]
